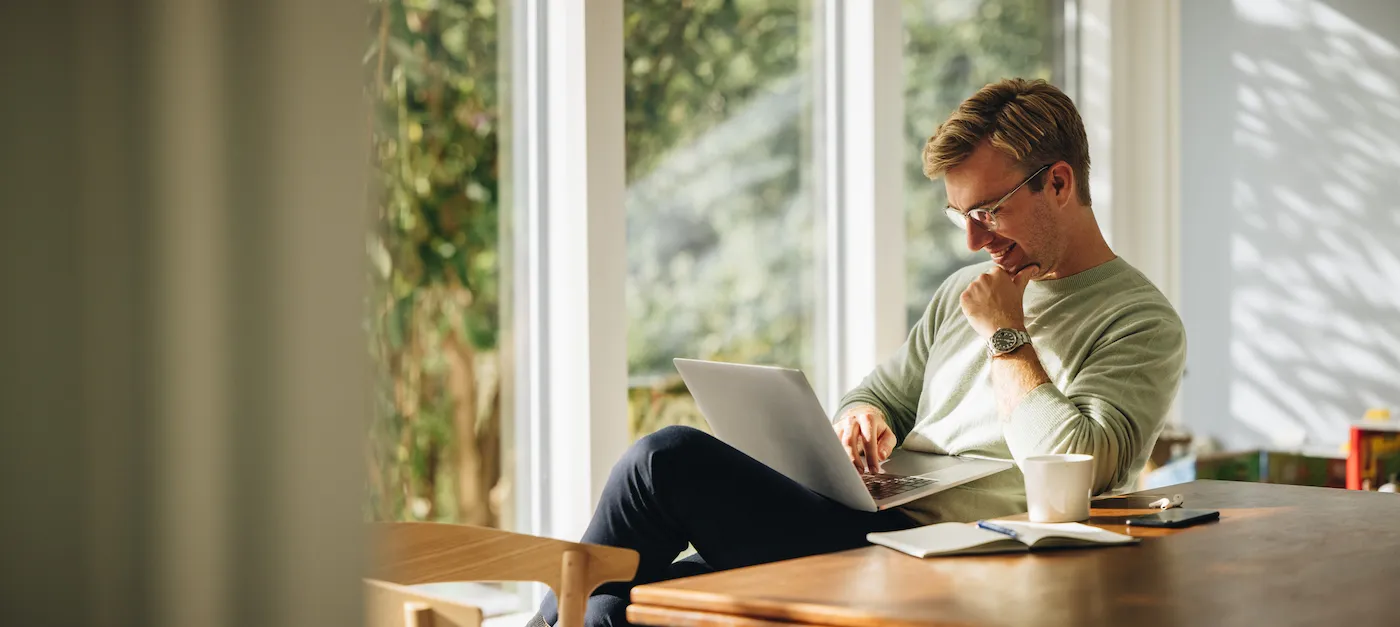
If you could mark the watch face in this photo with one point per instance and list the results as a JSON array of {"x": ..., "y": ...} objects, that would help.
[{"x": 1003, "y": 340}]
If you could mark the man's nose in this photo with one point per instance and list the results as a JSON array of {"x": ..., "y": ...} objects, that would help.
[{"x": 977, "y": 236}]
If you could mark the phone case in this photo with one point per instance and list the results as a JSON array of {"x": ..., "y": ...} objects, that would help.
[{"x": 1174, "y": 518}]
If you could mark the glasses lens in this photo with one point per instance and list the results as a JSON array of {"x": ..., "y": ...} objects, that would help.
[
  {"x": 956, "y": 217},
  {"x": 983, "y": 218}
]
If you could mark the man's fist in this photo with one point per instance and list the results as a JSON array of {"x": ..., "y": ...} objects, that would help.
[
  {"x": 994, "y": 300},
  {"x": 868, "y": 440}
]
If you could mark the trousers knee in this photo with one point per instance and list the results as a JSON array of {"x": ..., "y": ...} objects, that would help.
[
  {"x": 672, "y": 445},
  {"x": 605, "y": 610},
  {"x": 674, "y": 438}
]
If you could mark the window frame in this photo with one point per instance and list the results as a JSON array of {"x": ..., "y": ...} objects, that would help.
[
  {"x": 860, "y": 161},
  {"x": 568, "y": 343},
  {"x": 566, "y": 289}
]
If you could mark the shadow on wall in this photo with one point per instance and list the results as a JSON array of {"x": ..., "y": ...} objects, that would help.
[{"x": 1291, "y": 217}]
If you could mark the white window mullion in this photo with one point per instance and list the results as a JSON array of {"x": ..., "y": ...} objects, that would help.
[
  {"x": 864, "y": 117},
  {"x": 521, "y": 238},
  {"x": 1130, "y": 103},
  {"x": 1130, "y": 100},
  {"x": 1095, "y": 102},
  {"x": 1151, "y": 150},
  {"x": 580, "y": 334},
  {"x": 827, "y": 137}
]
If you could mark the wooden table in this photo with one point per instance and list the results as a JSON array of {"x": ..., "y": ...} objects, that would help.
[{"x": 1280, "y": 555}]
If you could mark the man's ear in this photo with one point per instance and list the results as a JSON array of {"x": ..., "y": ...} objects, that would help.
[{"x": 1061, "y": 183}]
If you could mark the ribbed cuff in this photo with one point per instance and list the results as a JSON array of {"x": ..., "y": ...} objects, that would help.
[{"x": 1037, "y": 420}]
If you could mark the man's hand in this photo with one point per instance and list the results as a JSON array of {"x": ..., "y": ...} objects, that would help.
[
  {"x": 869, "y": 441},
  {"x": 995, "y": 300}
]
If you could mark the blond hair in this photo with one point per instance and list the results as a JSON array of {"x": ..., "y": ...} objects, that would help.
[{"x": 1031, "y": 121}]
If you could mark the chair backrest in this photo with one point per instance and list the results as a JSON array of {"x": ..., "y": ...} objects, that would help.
[{"x": 414, "y": 553}]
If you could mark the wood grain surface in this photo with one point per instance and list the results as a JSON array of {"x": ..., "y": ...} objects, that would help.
[
  {"x": 407, "y": 553},
  {"x": 387, "y": 605},
  {"x": 1280, "y": 555}
]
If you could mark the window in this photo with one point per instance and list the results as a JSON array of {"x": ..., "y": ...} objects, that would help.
[
  {"x": 724, "y": 213},
  {"x": 436, "y": 442},
  {"x": 721, "y": 239},
  {"x": 951, "y": 49}
]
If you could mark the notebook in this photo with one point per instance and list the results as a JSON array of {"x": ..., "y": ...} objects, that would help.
[{"x": 968, "y": 539}]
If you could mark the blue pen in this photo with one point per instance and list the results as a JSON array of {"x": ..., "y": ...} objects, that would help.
[{"x": 982, "y": 524}]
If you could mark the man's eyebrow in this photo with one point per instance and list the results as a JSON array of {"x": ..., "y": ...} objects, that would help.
[{"x": 976, "y": 205}]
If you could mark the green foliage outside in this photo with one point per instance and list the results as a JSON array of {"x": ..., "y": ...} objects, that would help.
[
  {"x": 720, "y": 214},
  {"x": 434, "y": 448},
  {"x": 720, "y": 211}
]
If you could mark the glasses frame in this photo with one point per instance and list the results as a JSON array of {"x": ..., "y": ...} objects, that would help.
[{"x": 988, "y": 220}]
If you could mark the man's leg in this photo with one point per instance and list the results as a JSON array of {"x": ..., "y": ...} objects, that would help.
[{"x": 680, "y": 485}]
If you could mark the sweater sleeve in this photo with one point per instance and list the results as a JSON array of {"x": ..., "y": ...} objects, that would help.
[
  {"x": 895, "y": 385},
  {"x": 1115, "y": 406}
]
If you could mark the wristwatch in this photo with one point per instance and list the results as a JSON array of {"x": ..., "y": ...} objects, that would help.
[{"x": 1006, "y": 340}]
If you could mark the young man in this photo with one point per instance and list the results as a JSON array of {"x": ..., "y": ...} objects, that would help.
[{"x": 1055, "y": 345}]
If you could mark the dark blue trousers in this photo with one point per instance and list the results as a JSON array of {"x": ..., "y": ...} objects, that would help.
[{"x": 683, "y": 486}]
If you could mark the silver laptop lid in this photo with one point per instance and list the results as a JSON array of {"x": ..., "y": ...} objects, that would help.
[{"x": 772, "y": 415}]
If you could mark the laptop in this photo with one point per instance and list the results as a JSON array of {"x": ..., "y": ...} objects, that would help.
[{"x": 773, "y": 416}]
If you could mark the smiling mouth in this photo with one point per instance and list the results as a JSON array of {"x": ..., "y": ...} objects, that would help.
[{"x": 1003, "y": 252}]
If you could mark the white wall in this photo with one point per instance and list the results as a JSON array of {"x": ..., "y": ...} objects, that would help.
[{"x": 1290, "y": 217}]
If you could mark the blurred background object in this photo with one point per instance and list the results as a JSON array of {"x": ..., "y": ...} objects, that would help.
[{"x": 182, "y": 227}]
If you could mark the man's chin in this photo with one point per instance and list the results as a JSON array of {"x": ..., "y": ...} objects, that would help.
[
  {"x": 1015, "y": 266},
  {"x": 1011, "y": 266}
]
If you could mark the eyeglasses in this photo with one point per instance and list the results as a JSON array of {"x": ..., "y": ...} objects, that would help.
[{"x": 986, "y": 217}]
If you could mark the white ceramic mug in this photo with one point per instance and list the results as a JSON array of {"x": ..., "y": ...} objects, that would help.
[{"x": 1058, "y": 486}]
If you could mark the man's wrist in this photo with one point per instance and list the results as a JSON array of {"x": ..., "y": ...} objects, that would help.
[
  {"x": 1014, "y": 375},
  {"x": 1007, "y": 340},
  {"x": 994, "y": 326},
  {"x": 1022, "y": 349}
]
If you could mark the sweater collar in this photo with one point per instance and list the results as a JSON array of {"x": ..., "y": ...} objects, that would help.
[{"x": 1083, "y": 279}]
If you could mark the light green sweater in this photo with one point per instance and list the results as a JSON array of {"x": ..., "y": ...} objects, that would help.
[{"x": 1114, "y": 350}]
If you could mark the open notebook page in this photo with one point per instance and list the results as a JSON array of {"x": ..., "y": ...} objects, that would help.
[
  {"x": 968, "y": 539},
  {"x": 1063, "y": 534},
  {"x": 947, "y": 539}
]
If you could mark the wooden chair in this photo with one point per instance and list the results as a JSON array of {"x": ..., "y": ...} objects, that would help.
[{"x": 412, "y": 553}]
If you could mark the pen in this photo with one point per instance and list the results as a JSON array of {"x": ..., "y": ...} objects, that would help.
[{"x": 982, "y": 524}]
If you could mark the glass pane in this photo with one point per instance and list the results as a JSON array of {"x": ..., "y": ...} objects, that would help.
[
  {"x": 720, "y": 211},
  {"x": 951, "y": 49},
  {"x": 436, "y": 443}
]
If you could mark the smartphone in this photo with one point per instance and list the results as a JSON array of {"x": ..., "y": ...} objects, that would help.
[{"x": 1174, "y": 518}]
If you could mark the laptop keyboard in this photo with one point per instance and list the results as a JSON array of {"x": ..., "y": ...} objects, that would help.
[{"x": 886, "y": 486}]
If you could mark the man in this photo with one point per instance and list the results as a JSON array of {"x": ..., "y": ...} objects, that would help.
[{"x": 1055, "y": 345}]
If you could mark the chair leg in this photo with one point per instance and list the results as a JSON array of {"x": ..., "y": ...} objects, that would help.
[
  {"x": 417, "y": 615},
  {"x": 573, "y": 597}
]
